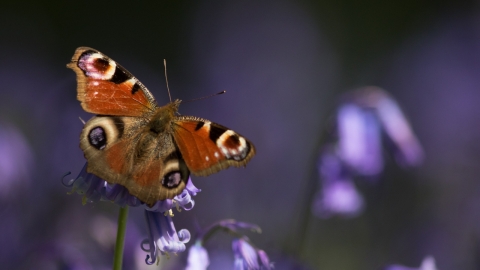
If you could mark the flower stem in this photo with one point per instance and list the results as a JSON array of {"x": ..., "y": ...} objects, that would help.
[{"x": 122, "y": 225}]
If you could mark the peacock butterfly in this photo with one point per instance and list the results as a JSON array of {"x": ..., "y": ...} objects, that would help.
[{"x": 133, "y": 142}]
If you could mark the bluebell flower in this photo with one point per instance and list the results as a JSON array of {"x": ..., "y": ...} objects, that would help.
[
  {"x": 364, "y": 118},
  {"x": 408, "y": 152},
  {"x": 359, "y": 139},
  {"x": 163, "y": 237},
  {"x": 197, "y": 257},
  {"x": 16, "y": 161},
  {"x": 366, "y": 114},
  {"x": 264, "y": 260},
  {"x": 428, "y": 263},
  {"x": 338, "y": 195},
  {"x": 338, "y": 198},
  {"x": 95, "y": 189},
  {"x": 247, "y": 257}
]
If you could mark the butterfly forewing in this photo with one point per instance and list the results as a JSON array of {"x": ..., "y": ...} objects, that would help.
[
  {"x": 208, "y": 147},
  {"x": 105, "y": 87}
]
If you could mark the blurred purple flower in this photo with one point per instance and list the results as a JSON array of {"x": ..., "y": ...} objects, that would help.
[
  {"x": 359, "y": 139},
  {"x": 363, "y": 117},
  {"x": 340, "y": 198},
  {"x": 428, "y": 263},
  {"x": 248, "y": 257},
  {"x": 375, "y": 112},
  {"x": 264, "y": 260},
  {"x": 163, "y": 238},
  {"x": 409, "y": 151},
  {"x": 197, "y": 257},
  {"x": 16, "y": 160},
  {"x": 338, "y": 194}
]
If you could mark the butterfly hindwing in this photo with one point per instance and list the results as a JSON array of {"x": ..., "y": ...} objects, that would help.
[
  {"x": 105, "y": 87},
  {"x": 208, "y": 147},
  {"x": 118, "y": 151}
]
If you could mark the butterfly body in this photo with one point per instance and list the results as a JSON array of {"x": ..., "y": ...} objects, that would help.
[{"x": 146, "y": 148}]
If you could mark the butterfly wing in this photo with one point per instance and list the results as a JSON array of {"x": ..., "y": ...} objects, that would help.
[
  {"x": 207, "y": 147},
  {"x": 105, "y": 87},
  {"x": 151, "y": 168}
]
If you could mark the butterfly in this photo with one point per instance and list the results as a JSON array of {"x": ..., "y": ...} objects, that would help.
[{"x": 133, "y": 142}]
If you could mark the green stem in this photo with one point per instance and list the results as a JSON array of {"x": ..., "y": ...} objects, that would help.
[{"x": 122, "y": 226}]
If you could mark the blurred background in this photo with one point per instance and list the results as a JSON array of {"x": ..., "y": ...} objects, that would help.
[{"x": 286, "y": 66}]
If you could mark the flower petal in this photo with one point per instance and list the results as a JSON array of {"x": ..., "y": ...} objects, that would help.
[
  {"x": 197, "y": 258},
  {"x": 162, "y": 235},
  {"x": 245, "y": 254}
]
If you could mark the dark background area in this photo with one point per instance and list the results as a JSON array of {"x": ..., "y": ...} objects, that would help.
[{"x": 284, "y": 65}]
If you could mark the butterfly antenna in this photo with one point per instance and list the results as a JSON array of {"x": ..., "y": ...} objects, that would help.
[
  {"x": 209, "y": 96},
  {"x": 166, "y": 78}
]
